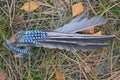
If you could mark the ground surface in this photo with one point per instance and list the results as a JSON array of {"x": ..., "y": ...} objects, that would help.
[{"x": 95, "y": 65}]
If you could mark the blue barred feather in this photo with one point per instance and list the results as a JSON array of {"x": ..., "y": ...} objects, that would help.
[{"x": 15, "y": 49}]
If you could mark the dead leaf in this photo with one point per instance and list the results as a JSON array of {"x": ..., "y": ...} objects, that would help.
[
  {"x": 89, "y": 31},
  {"x": 77, "y": 9},
  {"x": 30, "y": 6},
  {"x": 59, "y": 75},
  {"x": 99, "y": 33},
  {"x": 3, "y": 75}
]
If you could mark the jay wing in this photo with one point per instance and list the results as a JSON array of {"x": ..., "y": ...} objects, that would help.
[
  {"x": 77, "y": 37},
  {"x": 62, "y": 38},
  {"x": 68, "y": 41},
  {"x": 74, "y": 42}
]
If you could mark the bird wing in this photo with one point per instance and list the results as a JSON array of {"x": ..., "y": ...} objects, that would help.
[
  {"x": 73, "y": 41},
  {"x": 62, "y": 38},
  {"x": 68, "y": 41}
]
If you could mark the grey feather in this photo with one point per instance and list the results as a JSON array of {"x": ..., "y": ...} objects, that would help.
[
  {"x": 72, "y": 46},
  {"x": 79, "y": 17},
  {"x": 85, "y": 23},
  {"x": 78, "y": 37}
]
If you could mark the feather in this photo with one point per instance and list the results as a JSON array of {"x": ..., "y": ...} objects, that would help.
[
  {"x": 85, "y": 23},
  {"x": 15, "y": 49},
  {"x": 78, "y": 37},
  {"x": 79, "y": 17},
  {"x": 73, "y": 47}
]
